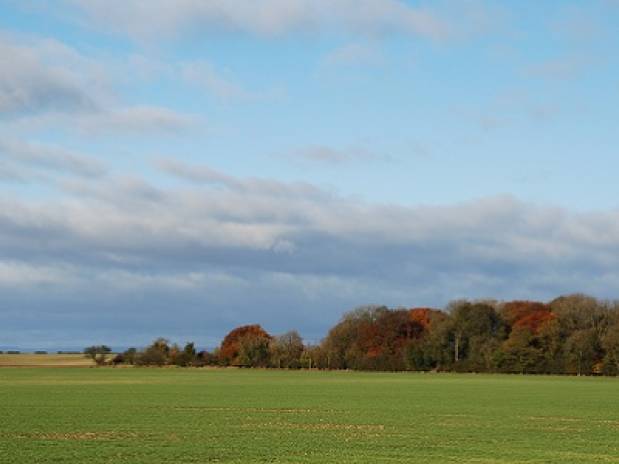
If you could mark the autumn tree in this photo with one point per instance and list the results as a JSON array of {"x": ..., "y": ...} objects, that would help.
[
  {"x": 341, "y": 345},
  {"x": 429, "y": 347},
  {"x": 247, "y": 345},
  {"x": 531, "y": 315}
]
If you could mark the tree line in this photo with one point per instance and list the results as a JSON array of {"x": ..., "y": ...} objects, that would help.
[{"x": 574, "y": 334}]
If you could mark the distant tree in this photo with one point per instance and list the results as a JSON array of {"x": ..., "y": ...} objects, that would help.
[
  {"x": 204, "y": 358},
  {"x": 358, "y": 341},
  {"x": 610, "y": 344},
  {"x": 247, "y": 345},
  {"x": 186, "y": 357},
  {"x": 286, "y": 350},
  {"x": 582, "y": 351},
  {"x": 550, "y": 341},
  {"x": 253, "y": 351},
  {"x": 526, "y": 314},
  {"x": 129, "y": 356},
  {"x": 157, "y": 354},
  {"x": 173, "y": 354},
  {"x": 475, "y": 330},
  {"x": 98, "y": 353},
  {"x": 574, "y": 334},
  {"x": 313, "y": 357},
  {"x": 519, "y": 352},
  {"x": 580, "y": 312}
]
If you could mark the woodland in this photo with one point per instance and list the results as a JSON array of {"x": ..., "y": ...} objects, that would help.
[{"x": 574, "y": 334}]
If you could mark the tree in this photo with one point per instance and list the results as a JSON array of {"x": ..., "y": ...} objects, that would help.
[
  {"x": 582, "y": 351},
  {"x": 550, "y": 342},
  {"x": 182, "y": 357},
  {"x": 580, "y": 312},
  {"x": 244, "y": 346},
  {"x": 610, "y": 344},
  {"x": 286, "y": 350},
  {"x": 475, "y": 330},
  {"x": 519, "y": 353},
  {"x": 155, "y": 355},
  {"x": 253, "y": 351},
  {"x": 188, "y": 356},
  {"x": 352, "y": 341},
  {"x": 526, "y": 314},
  {"x": 313, "y": 357},
  {"x": 98, "y": 353},
  {"x": 129, "y": 356}
]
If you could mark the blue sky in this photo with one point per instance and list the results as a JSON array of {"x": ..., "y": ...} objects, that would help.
[{"x": 179, "y": 168}]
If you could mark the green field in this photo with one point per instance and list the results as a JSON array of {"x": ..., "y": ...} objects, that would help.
[{"x": 107, "y": 415}]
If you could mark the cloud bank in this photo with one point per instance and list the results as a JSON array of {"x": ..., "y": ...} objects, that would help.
[{"x": 216, "y": 250}]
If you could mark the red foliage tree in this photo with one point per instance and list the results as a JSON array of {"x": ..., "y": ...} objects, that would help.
[
  {"x": 231, "y": 344},
  {"x": 530, "y": 315},
  {"x": 422, "y": 318}
]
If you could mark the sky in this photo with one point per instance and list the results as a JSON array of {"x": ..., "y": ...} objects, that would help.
[{"x": 179, "y": 168}]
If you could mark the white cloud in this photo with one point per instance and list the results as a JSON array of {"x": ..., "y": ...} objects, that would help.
[
  {"x": 15, "y": 274},
  {"x": 564, "y": 67},
  {"x": 45, "y": 83},
  {"x": 265, "y": 17},
  {"x": 354, "y": 54},
  {"x": 39, "y": 75},
  {"x": 329, "y": 155},
  {"x": 47, "y": 157},
  {"x": 204, "y": 75}
]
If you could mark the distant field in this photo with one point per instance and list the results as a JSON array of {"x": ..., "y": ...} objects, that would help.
[
  {"x": 49, "y": 360},
  {"x": 243, "y": 416}
]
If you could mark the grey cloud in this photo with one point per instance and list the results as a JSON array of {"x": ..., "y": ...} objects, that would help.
[
  {"x": 11, "y": 173},
  {"x": 220, "y": 250},
  {"x": 44, "y": 83},
  {"x": 136, "y": 119},
  {"x": 37, "y": 77},
  {"x": 248, "y": 220}
]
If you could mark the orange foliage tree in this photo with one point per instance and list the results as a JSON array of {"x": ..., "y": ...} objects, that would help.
[
  {"x": 244, "y": 337},
  {"x": 530, "y": 315}
]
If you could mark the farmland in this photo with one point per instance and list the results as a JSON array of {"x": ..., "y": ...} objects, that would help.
[
  {"x": 44, "y": 360},
  {"x": 239, "y": 416}
]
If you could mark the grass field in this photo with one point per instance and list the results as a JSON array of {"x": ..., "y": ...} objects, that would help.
[{"x": 241, "y": 416}]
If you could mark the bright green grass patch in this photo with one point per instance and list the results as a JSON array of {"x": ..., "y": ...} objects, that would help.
[{"x": 242, "y": 416}]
